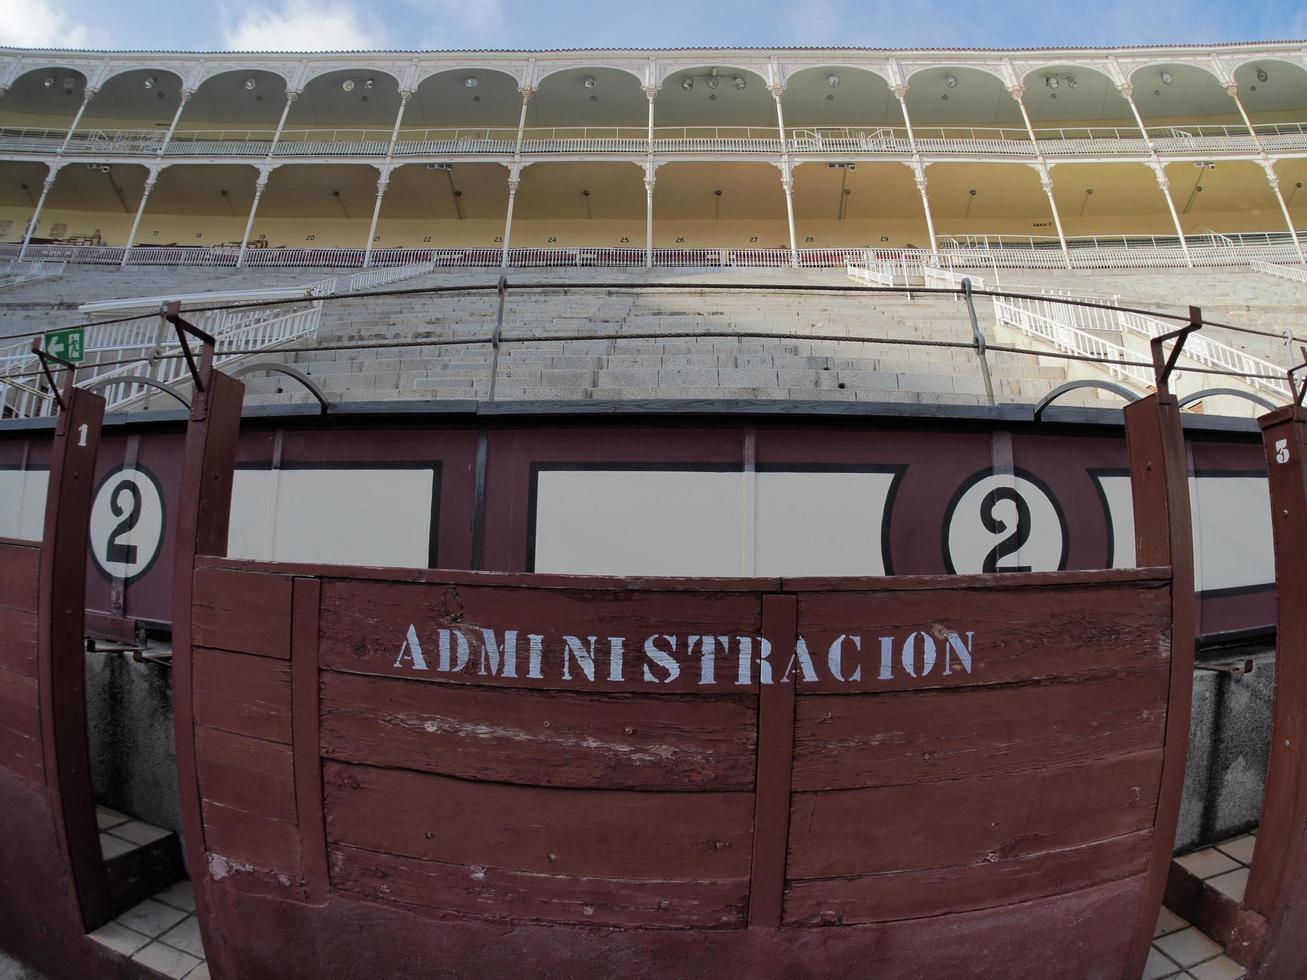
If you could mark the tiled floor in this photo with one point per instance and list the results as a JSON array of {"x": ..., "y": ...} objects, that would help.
[
  {"x": 162, "y": 932},
  {"x": 120, "y": 834},
  {"x": 1179, "y": 950}
]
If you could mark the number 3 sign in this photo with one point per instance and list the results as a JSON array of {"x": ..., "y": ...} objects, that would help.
[
  {"x": 1004, "y": 523},
  {"x": 127, "y": 523}
]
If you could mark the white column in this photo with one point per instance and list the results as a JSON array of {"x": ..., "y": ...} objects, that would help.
[
  {"x": 399, "y": 117},
  {"x": 260, "y": 186},
  {"x": 383, "y": 180},
  {"x": 176, "y": 118},
  {"x": 87, "y": 96},
  {"x": 40, "y": 203},
  {"x": 1233, "y": 88},
  {"x": 150, "y": 178},
  {"x": 526, "y": 91},
  {"x": 651, "y": 92},
  {"x": 650, "y": 178},
  {"x": 777, "y": 91},
  {"x": 1045, "y": 180},
  {"x": 919, "y": 177},
  {"x": 513, "y": 179},
  {"x": 1127, "y": 90},
  {"x": 291, "y": 95},
  {"x": 787, "y": 182}
]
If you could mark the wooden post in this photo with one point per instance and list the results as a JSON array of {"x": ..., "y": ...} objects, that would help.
[
  {"x": 1277, "y": 883},
  {"x": 1159, "y": 481},
  {"x": 60, "y": 631},
  {"x": 203, "y": 512}
]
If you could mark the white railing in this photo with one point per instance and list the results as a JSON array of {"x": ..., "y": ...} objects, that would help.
[
  {"x": 948, "y": 278},
  {"x": 1044, "y": 321},
  {"x": 237, "y": 330},
  {"x": 375, "y": 277},
  {"x": 15, "y": 272},
  {"x": 893, "y": 270},
  {"x": 1296, "y": 273},
  {"x": 1085, "y": 320}
]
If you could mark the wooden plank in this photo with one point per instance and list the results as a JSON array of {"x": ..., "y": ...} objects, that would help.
[
  {"x": 948, "y": 891},
  {"x": 20, "y": 704},
  {"x": 519, "y": 895},
  {"x": 1159, "y": 486},
  {"x": 924, "y": 736},
  {"x": 1277, "y": 883},
  {"x": 260, "y": 844},
  {"x": 771, "y": 820},
  {"x": 967, "y": 821},
  {"x": 242, "y": 612},
  {"x": 1018, "y": 635},
  {"x": 542, "y": 738},
  {"x": 250, "y": 774},
  {"x": 305, "y": 712},
  {"x": 19, "y": 564},
  {"x": 365, "y": 629},
  {"x": 22, "y": 755},
  {"x": 18, "y": 640},
  {"x": 239, "y": 693},
  {"x": 617, "y": 833}
]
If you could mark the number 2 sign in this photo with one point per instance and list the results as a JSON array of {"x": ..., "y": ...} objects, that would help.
[
  {"x": 127, "y": 520},
  {"x": 1004, "y": 523}
]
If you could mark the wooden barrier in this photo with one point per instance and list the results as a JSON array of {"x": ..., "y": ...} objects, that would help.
[
  {"x": 53, "y": 886},
  {"x": 1269, "y": 925},
  {"x": 400, "y": 773}
]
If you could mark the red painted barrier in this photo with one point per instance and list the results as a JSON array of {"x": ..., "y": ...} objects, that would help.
[{"x": 407, "y": 773}]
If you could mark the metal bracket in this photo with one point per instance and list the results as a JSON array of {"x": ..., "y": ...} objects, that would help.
[
  {"x": 1062, "y": 389},
  {"x": 172, "y": 313},
  {"x": 1234, "y": 670},
  {"x": 138, "y": 379},
  {"x": 1265, "y": 403},
  {"x": 45, "y": 358},
  {"x": 1298, "y": 390},
  {"x": 290, "y": 372},
  {"x": 1163, "y": 364}
]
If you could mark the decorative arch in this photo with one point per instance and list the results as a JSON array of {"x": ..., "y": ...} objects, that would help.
[
  {"x": 555, "y": 68},
  {"x": 912, "y": 70},
  {"x": 322, "y": 71},
  {"x": 211, "y": 72},
  {"x": 789, "y": 71}
]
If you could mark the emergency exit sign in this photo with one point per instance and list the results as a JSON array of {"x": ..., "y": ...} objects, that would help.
[{"x": 68, "y": 344}]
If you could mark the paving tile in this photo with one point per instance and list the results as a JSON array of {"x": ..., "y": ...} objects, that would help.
[
  {"x": 1241, "y": 848},
  {"x": 179, "y": 895},
  {"x": 201, "y": 972},
  {"x": 1188, "y": 947},
  {"x": 168, "y": 961},
  {"x": 1221, "y": 968},
  {"x": 1158, "y": 966},
  {"x": 1167, "y": 922},
  {"x": 139, "y": 833},
  {"x": 186, "y": 937},
  {"x": 111, "y": 847},
  {"x": 119, "y": 938},
  {"x": 1207, "y": 863},
  {"x": 1232, "y": 883},
  {"x": 151, "y": 917},
  {"x": 106, "y": 818}
]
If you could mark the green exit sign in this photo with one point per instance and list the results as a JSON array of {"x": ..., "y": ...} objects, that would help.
[{"x": 68, "y": 344}]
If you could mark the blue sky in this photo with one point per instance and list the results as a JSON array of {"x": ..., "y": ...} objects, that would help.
[{"x": 407, "y": 24}]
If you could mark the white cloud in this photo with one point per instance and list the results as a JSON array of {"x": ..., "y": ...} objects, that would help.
[
  {"x": 299, "y": 25},
  {"x": 463, "y": 23},
  {"x": 37, "y": 24}
]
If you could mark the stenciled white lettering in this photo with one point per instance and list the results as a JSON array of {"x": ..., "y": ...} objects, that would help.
[{"x": 662, "y": 658}]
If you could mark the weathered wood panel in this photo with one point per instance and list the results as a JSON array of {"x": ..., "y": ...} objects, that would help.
[
  {"x": 250, "y": 843},
  {"x": 239, "y": 693},
  {"x": 23, "y": 755},
  {"x": 497, "y": 893},
  {"x": 1017, "y": 634},
  {"x": 18, "y": 640},
  {"x": 20, "y": 704},
  {"x": 600, "y": 741},
  {"x": 365, "y": 629},
  {"x": 946, "y": 891},
  {"x": 925, "y": 736},
  {"x": 242, "y": 611},
  {"x": 249, "y": 774},
  {"x": 967, "y": 821},
  {"x": 617, "y": 833},
  {"x": 19, "y": 572}
]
